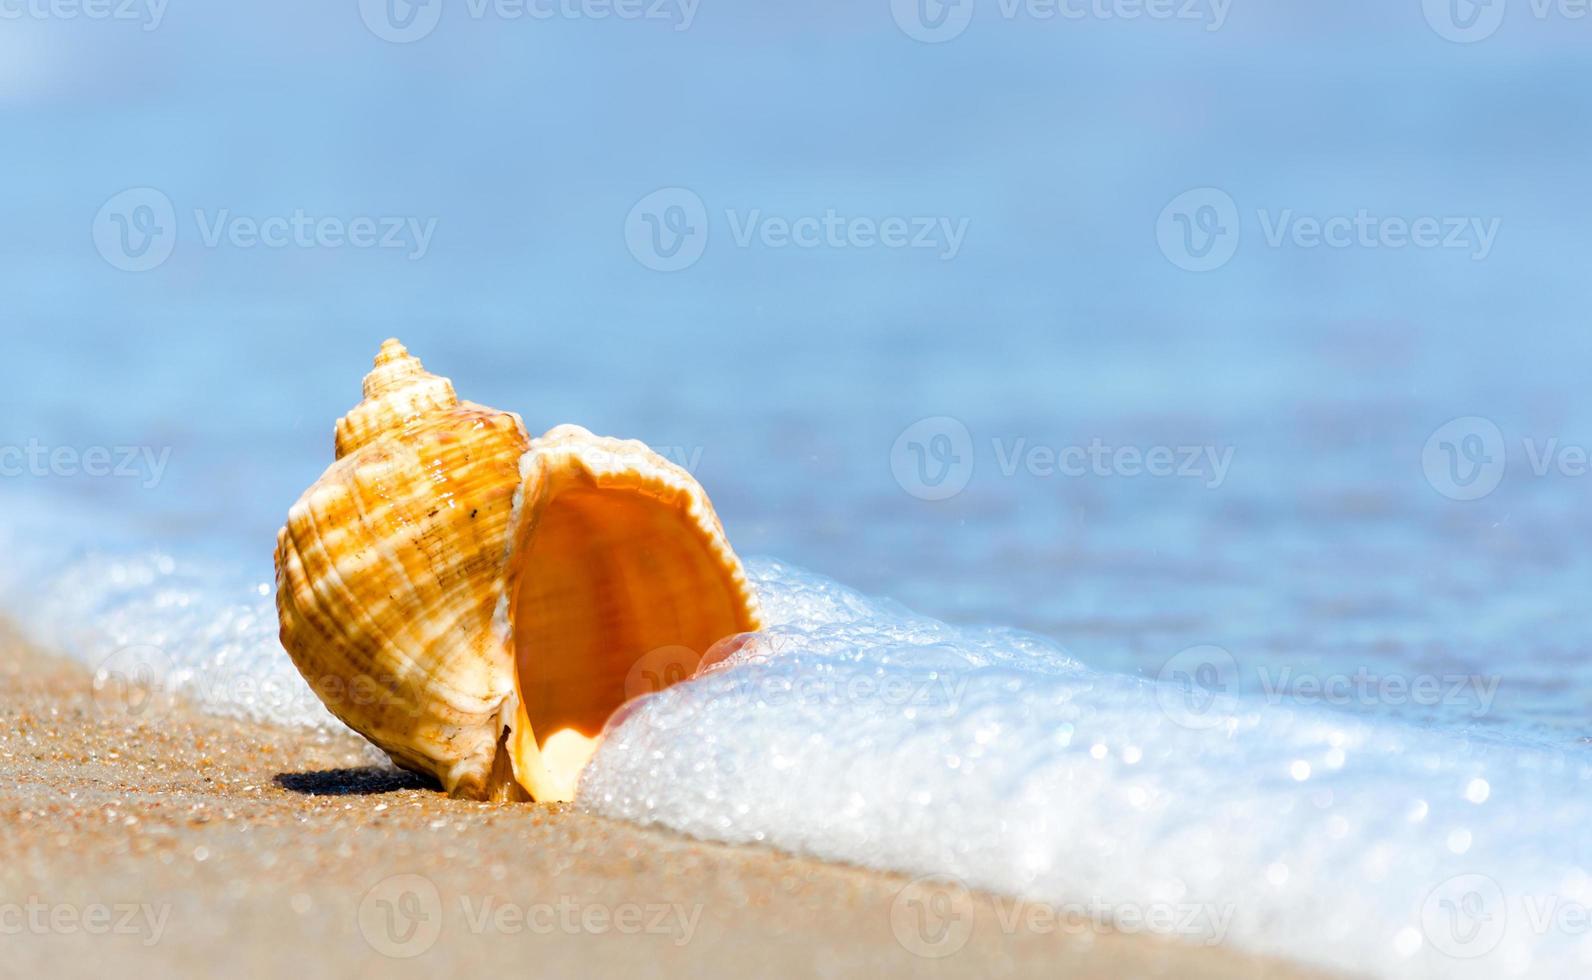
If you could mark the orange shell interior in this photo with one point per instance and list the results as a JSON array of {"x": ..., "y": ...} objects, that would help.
[{"x": 609, "y": 580}]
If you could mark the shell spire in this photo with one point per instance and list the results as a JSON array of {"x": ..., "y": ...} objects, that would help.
[{"x": 398, "y": 390}]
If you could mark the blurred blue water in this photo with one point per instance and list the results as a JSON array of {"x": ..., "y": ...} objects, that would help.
[{"x": 791, "y": 371}]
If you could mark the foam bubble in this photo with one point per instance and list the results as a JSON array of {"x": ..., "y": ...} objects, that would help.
[{"x": 186, "y": 626}]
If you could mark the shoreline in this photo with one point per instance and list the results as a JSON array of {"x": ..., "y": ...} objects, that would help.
[{"x": 185, "y": 840}]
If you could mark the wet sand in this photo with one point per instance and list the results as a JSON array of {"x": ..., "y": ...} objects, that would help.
[{"x": 168, "y": 841}]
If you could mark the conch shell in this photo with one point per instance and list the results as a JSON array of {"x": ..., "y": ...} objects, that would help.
[{"x": 472, "y": 600}]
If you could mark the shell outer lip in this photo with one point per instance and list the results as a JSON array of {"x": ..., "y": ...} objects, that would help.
[{"x": 570, "y": 455}]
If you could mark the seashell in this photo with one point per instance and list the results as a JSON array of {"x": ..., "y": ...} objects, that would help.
[{"x": 471, "y": 600}]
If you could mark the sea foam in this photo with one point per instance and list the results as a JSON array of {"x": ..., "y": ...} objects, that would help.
[{"x": 853, "y": 730}]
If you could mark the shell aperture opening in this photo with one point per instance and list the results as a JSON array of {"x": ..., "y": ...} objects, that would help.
[{"x": 609, "y": 575}]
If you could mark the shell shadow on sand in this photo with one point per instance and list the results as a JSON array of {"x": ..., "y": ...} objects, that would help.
[{"x": 360, "y": 781}]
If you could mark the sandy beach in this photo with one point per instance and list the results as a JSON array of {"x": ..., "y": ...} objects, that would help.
[{"x": 186, "y": 842}]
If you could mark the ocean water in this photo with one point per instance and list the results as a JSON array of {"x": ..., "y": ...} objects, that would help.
[{"x": 1322, "y": 689}]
